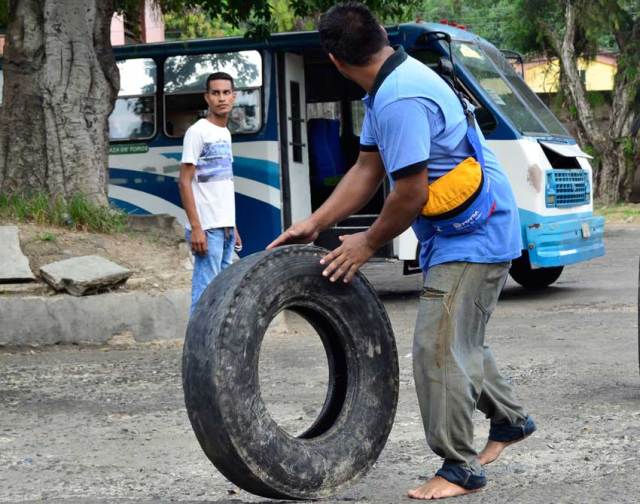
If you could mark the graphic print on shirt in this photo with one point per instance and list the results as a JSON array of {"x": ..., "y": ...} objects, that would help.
[{"x": 215, "y": 162}]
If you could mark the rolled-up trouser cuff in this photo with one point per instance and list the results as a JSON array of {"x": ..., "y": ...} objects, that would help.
[
  {"x": 461, "y": 475},
  {"x": 505, "y": 432}
]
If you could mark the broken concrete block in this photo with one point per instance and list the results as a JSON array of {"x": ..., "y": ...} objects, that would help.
[
  {"x": 84, "y": 275},
  {"x": 14, "y": 266}
]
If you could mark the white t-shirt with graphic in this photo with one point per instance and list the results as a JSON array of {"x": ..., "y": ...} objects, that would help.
[{"x": 208, "y": 147}]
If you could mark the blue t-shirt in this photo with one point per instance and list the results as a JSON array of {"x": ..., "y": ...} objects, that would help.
[{"x": 413, "y": 119}]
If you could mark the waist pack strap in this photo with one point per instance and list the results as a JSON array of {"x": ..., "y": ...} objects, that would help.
[{"x": 473, "y": 138}]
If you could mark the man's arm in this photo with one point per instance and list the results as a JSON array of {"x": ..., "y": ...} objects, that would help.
[
  {"x": 405, "y": 126},
  {"x": 353, "y": 192},
  {"x": 401, "y": 207},
  {"x": 198, "y": 239}
]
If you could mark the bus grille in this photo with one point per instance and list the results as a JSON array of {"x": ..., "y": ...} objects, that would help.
[{"x": 567, "y": 188}]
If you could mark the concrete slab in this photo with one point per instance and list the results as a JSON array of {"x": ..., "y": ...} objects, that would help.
[
  {"x": 49, "y": 320},
  {"x": 84, "y": 275},
  {"x": 14, "y": 266}
]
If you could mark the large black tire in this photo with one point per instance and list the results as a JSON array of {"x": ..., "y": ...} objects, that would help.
[
  {"x": 222, "y": 390},
  {"x": 533, "y": 279}
]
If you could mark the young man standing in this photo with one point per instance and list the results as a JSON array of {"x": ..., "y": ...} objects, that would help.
[
  {"x": 415, "y": 131},
  {"x": 206, "y": 186}
]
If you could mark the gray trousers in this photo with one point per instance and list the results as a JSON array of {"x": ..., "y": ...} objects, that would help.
[{"x": 454, "y": 370}]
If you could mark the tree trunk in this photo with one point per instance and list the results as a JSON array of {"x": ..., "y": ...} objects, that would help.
[
  {"x": 60, "y": 83},
  {"x": 613, "y": 178},
  {"x": 615, "y": 142}
]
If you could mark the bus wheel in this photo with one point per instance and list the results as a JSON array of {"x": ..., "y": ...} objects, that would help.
[
  {"x": 533, "y": 279},
  {"x": 222, "y": 387}
]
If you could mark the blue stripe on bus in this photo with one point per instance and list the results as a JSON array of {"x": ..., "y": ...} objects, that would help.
[
  {"x": 127, "y": 207},
  {"x": 162, "y": 186},
  {"x": 266, "y": 172}
]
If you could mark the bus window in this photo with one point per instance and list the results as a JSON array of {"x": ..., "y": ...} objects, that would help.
[
  {"x": 324, "y": 110},
  {"x": 544, "y": 115},
  {"x": 498, "y": 89},
  {"x": 134, "y": 113},
  {"x": 185, "y": 78}
]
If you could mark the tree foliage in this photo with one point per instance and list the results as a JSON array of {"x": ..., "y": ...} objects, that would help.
[
  {"x": 493, "y": 20},
  {"x": 196, "y": 23},
  {"x": 259, "y": 18}
]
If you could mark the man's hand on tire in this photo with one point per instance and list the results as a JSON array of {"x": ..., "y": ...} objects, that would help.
[
  {"x": 348, "y": 257},
  {"x": 305, "y": 231}
]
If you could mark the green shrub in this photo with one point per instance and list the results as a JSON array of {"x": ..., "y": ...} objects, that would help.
[{"x": 76, "y": 212}]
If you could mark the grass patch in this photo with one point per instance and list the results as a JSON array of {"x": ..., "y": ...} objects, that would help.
[
  {"x": 621, "y": 212},
  {"x": 47, "y": 237},
  {"x": 76, "y": 213}
]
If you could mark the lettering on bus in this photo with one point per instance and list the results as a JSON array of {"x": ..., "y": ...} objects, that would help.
[{"x": 137, "y": 148}]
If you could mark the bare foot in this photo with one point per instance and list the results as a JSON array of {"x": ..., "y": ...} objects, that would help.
[
  {"x": 493, "y": 449},
  {"x": 437, "y": 488}
]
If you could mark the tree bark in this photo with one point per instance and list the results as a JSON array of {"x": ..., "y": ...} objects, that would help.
[{"x": 60, "y": 82}]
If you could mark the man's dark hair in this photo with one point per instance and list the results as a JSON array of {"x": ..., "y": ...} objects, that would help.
[
  {"x": 218, "y": 76},
  {"x": 351, "y": 33}
]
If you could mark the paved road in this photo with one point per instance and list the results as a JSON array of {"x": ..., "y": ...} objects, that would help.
[{"x": 108, "y": 424}]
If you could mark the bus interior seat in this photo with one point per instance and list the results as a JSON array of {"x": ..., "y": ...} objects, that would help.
[{"x": 326, "y": 159}]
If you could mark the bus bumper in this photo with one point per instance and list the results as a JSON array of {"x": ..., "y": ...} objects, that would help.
[{"x": 562, "y": 242}]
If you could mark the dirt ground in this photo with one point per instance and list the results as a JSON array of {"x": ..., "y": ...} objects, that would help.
[
  {"x": 159, "y": 259},
  {"x": 108, "y": 424}
]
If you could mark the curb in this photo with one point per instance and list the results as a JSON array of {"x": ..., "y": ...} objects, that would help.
[
  {"x": 134, "y": 317},
  {"x": 48, "y": 320}
]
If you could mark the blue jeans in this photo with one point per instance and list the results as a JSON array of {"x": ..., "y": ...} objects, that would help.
[{"x": 220, "y": 242}]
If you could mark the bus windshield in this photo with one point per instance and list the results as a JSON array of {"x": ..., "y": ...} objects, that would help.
[{"x": 507, "y": 90}]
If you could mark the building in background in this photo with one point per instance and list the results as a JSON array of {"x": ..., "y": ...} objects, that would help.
[
  {"x": 149, "y": 28},
  {"x": 542, "y": 75}
]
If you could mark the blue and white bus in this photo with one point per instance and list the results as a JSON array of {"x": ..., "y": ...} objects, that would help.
[{"x": 296, "y": 127}]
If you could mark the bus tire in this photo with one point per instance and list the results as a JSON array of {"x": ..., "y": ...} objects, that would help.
[
  {"x": 222, "y": 389},
  {"x": 533, "y": 279}
]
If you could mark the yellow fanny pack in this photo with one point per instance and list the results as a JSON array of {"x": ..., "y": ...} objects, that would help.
[
  {"x": 453, "y": 189},
  {"x": 460, "y": 201}
]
